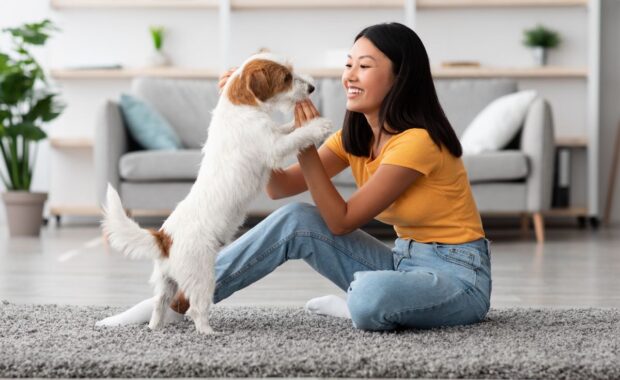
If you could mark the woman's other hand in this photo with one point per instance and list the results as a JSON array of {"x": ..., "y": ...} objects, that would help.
[
  {"x": 304, "y": 112},
  {"x": 224, "y": 78}
]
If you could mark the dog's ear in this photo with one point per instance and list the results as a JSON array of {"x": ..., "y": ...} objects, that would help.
[
  {"x": 260, "y": 79},
  {"x": 261, "y": 83},
  {"x": 239, "y": 92}
]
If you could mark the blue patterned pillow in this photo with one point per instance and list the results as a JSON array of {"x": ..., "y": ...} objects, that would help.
[{"x": 147, "y": 126}]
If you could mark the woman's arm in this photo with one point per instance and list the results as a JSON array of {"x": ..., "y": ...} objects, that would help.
[{"x": 341, "y": 217}]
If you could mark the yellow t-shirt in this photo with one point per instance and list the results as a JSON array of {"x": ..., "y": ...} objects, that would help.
[{"x": 438, "y": 206}]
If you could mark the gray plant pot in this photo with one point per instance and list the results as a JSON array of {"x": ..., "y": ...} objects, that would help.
[
  {"x": 540, "y": 55},
  {"x": 24, "y": 211}
]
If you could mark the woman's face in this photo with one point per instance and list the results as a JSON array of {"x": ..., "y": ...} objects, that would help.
[{"x": 367, "y": 77}]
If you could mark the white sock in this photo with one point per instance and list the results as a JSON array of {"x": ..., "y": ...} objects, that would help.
[
  {"x": 329, "y": 305},
  {"x": 140, "y": 313}
]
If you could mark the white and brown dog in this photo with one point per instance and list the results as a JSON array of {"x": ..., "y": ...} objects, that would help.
[{"x": 243, "y": 146}]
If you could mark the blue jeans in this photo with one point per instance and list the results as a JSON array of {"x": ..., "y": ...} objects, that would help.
[{"x": 413, "y": 285}]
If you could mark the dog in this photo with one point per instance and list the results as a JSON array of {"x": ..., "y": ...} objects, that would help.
[{"x": 243, "y": 146}]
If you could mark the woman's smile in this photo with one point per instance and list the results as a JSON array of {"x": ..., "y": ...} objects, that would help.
[{"x": 354, "y": 92}]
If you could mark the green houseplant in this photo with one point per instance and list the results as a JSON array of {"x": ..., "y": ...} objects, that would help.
[
  {"x": 540, "y": 39},
  {"x": 26, "y": 102},
  {"x": 158, "y": 57}
]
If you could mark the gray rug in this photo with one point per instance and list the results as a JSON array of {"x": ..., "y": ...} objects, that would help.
[{"x": 61, "y": 341}]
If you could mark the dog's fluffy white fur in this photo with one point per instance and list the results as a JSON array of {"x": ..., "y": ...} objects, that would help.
[{"x": 243, "y": 146}]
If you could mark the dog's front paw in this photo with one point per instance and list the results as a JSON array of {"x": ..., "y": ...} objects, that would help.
[
  {"x": 321, "y": 128},
  {"x": 156, "y": 325}
]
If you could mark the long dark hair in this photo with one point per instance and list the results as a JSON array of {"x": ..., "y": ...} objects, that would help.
[{"x": 411, "y": 102}]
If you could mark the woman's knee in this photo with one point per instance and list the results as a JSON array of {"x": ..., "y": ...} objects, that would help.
[
  {"x": 299, "y": 212},
  {"x": 368, "y": 300}
]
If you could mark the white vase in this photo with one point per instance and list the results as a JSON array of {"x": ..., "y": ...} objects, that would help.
[
  {"x": 540, "y": 55},
  {"x": 158, "y": 58}
]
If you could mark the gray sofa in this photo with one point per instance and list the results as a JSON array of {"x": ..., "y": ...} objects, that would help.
[{"x": 516, "y": 180}]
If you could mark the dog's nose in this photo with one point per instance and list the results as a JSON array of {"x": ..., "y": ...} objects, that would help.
[{"x": 310, "y": 89}]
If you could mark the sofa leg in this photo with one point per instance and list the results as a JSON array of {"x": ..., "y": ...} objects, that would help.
[{"x": 539, "y": 227}]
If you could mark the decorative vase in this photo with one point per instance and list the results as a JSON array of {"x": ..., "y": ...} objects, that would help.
[
  {"x": 24, "y": 211},
  {"x": 158, "y": 58},
  {"x": 540, "y": 55}
]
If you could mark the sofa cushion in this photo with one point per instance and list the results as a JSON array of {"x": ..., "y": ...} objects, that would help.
[
  {"x": 160, "y": 165},
  {"x": 463, "y": 99},
  {"x": 496, "y": 125},
  {"x": 503, "y": 165},
  {"x": 147, "y": 126},
  {"x": 185, "y": 103}
]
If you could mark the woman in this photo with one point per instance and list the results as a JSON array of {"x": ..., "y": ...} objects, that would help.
[{"x": 405, "y": 158}]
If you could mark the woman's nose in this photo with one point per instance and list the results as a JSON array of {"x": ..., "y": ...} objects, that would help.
[{"x": 350, "y": 76}]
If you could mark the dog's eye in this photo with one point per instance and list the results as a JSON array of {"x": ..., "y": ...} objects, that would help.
[{"x": 288, "y": 77}]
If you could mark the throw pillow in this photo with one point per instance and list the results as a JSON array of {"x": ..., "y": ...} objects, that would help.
[
  {"x": 497, "y": 124},
  {"x": 147, "y": 126}
]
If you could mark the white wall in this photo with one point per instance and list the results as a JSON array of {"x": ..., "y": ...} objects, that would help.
[{"x": 121, "y": 36}]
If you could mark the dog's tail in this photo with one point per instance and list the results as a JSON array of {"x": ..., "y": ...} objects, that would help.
[{"x": 126, "y": 236}]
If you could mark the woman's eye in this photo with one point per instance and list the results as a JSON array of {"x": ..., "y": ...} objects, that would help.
[
  {"x": 364, "y": 66},
  {"x": 348, "y": 65}
]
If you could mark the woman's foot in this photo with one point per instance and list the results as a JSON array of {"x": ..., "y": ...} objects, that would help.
[
  {"x": 328, "y": 305},
  {"x": 140, "y": 313}
]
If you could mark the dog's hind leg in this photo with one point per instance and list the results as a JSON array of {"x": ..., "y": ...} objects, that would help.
[{"x": 166, "y": 290}]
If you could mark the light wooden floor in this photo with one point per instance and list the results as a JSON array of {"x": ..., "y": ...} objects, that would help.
[{"x": 70, "y": 265}]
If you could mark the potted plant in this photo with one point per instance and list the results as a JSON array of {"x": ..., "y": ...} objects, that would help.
[
  {"x": 26, "y": 102},
  {"x": 540, "y": 39},
  {"x": 158, "y": 57}
]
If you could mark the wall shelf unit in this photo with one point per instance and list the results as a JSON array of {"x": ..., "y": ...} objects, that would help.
[{"x": 588, "y": 72}]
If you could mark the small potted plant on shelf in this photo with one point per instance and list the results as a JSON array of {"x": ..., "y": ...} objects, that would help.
[
  {"x": 540, "y": 39},
  {"x": 26, "y": 103},
  {"x": 158, "y": 57}
]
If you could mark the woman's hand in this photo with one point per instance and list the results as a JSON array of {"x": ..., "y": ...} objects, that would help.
[
  {"x": 304, "y": 112},
  {"x": 224, "y": 78}
]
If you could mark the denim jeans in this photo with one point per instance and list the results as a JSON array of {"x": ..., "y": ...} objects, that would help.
[{"x": 413, "y": 285}]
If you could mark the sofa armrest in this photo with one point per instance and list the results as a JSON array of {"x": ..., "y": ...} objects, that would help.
[
  {"x": 111, "y": 142},
  {"x": 538, "y": 143}
]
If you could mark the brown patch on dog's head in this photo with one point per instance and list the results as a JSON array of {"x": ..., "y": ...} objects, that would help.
[
  {"x": 164, "y": 241},
  {"x": 261, "y": 79}
]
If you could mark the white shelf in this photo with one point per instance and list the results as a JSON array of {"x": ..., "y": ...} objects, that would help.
[
  {"x": 76, "y": 210},
  {"x": 440, "y": 72},
  {"x": 94, "y": 210},
  {"x": 507, "y": 72},
  {"x": 308, "y": 4},
  {"x": 71, "y": 143},
  {"x": 170, "y": 72}
]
